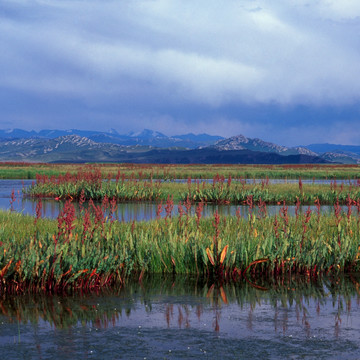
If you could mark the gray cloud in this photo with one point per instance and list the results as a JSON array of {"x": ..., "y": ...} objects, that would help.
[
  {"x": 205, "y": 51},
  {"x": 144, "y": 59}
]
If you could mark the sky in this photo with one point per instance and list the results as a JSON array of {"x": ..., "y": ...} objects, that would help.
[{"x": 284, "y": 71}]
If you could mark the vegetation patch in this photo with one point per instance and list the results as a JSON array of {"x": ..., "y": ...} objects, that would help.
[{"x": 93, "y": 250}]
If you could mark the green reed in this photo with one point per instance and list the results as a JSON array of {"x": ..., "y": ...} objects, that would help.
[
  {"x": 94, "y": 250},
  {"x": 90, "y": 185},
  {"x": 21, "y": 170}
]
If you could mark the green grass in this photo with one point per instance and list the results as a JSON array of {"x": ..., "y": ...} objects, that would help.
[
  {"x": 15, "y": 170},
  {"x": 219, "y": 193},
  {"x": 55, "y": 255}
]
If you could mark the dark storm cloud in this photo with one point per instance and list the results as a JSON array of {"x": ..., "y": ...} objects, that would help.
[{"x": 183, "y": 66}]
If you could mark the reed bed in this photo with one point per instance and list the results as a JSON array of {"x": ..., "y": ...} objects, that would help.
[
  {"x": 91, "y": 185},
  {"x": 93, "y": 250},
  {"x": 22, "y": 170}
]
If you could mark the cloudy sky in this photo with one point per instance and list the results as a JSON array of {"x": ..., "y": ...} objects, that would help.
[{"x": 286, "y": 71}]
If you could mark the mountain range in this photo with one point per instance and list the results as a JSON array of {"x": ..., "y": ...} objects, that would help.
[
  {"x": 154, "y": 147},
  {"x": 146, "y": 137}
]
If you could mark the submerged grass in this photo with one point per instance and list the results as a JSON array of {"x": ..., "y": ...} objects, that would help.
[{"x": 93, "y": 250}]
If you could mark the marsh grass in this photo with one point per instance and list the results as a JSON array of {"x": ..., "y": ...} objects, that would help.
[
  {"x": 90, "y": 185},
  {"x": 22, "y": 170},
  {"x": 93, "y": 250}
]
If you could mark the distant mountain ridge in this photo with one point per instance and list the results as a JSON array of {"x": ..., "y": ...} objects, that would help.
[
  {"x": 346, "y": 154},
  {"x": 75, "y": 148},
  {"x": 240, "y": 142},
  {"x": 82, "y": 145},
  {"x": 146, "y": 137},
  {"x": 337, "y": 155},
  {"x": 324, "y": 148}
]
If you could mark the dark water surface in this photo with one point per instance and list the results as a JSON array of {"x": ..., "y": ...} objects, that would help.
[
  {"x": 127, "y": 212},
  {"x": 180, "y": 318}
]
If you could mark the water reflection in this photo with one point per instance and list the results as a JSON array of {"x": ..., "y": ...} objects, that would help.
[
  {"x": 127, "y": 212},
  {"x": 187, "y": 318},
  {"x": 186, "y": 303},
  {"x": 144, "y": 211}
]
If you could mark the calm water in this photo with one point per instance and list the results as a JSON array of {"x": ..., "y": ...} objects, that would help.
[
  {"x": 126, "y": 211},
  {"x": 180, "y": 318}
]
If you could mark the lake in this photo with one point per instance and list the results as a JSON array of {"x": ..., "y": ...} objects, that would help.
[
  {"x": 138, "y": 211},
  {"x": 185, "y": 318},
  {"x": 182, "y": 317}
]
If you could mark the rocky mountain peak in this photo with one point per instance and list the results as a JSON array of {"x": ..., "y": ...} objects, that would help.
[{"x": 75, "y": 140}]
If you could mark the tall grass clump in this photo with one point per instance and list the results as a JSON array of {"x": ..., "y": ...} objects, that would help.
[
  {"x": 91, "y": 185},
  {"x": 93, "y": 250}
]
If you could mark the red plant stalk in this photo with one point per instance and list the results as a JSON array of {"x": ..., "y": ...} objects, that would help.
[
  {"x": 262, "y": 209},
  {"x": 243, "y": 183},
  {"x": 238, "y": 215},
  {"x": 82, "y": 199},
  {"x": 68, "y": 215},
  {"x": 250, "y": 203},
  {"x": 229, "y": 181},
  {"x": 159, "y": 210},
  {"x": 349, "y": 207},
  {"x": 99, "y": 215},
  {"x": 283, "y": 213},
  {"x": 38, "y": 211},
  {"x": 297, "y": 207},
  {"x": 86, "y": 225},
  {"x": 216, "y": 179},
  {"x": 198, "y": 212},
  {"x": 169, "y": 206},
  {"x": 181, "y": 213},
  {"x": 262, "y": 183},
  {"x": 300, "y": 186},
  {"x": 189, "y": 183},
  {"x": 117, "y": 177},
  {"x": 276, "y": 227},
  {"x": 222, "y": 180},
  {"x": 215, "y": 224},
  {"x": 341, "y": 188},
  {"x": 318, "y": 206},
  {"x": 132, "y": 226},
  {"x": 109, "y": 177},
  {"x": 307, "y": 217},
  {"x": 197, "y": 185},
  {"x": 105, "y": 203},
  {"x": 113, "y": 208},
  {"x": 335, "y": 184},
  {"x": 12, "y": 200},
  {"x": 337, "y": 210},
  {"x": 187, "y": 205}
]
